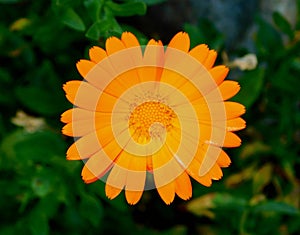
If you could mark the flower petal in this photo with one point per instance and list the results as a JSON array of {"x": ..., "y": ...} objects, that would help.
[
  {"x": 66, "y": 116},
  {"x": 82, "y": 94},
  {"x": 200, "y": 52},
  {"x": 133, "y": 197},
  {"x": 180, "y": 41},
  {"x": 112, "y": 192},
  {"x": 235, "y": 124},
  {"x": 223, "y": 159},
  {"x": 117, "y": 176},
  {"x": 210, "y": 59},
  {"x": 219, "y": 73},
  {"x": 78, "y": 114},
  {"x": 88, "y": 176},
  {"x": 234, "y": 109},
  {"x": 167, "y": 192},
  {"x": 89, "y": 144},
  {"x": 153, "y": 60},
  {"x": 216, "y": 172},
  {"x": 84, "y": 67},
  {"x": 129, "y": 40},
  {"x": 183, "y": 186},
  {"x": 113, "y": 45},
  {"x": 136, "y": 176},
  {"x": 83, "y": 127},
  {"x": 101, "y": 162},
  {"x": 232, "y": 140},
  {"x": 229, "y": 89},
  {"x": 97, "y": 54},
  {"x": 193, "y": 171}
]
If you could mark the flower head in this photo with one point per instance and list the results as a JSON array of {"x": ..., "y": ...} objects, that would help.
[{"x": 150, "y": 117}]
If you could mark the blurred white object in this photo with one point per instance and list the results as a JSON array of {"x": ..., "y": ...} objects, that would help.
[
  {"x": 29, "y": 123},
  {"x": 247, "y": 62}
]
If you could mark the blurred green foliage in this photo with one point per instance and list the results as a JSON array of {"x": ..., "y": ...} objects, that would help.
[{"x": 42, "y": 193}]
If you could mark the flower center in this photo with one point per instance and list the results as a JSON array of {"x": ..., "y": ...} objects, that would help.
[{"x": 149, "y": 120}]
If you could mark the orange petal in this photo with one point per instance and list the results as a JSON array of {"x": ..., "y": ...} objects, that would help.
[
  {"x": 133, "y": 197},
  {"x": 219, "y": 73},
  {"x": 173, "y": 78},
  {"x": 231, "y": 140},
  {"x": 193, "y": 171},
  {"x": 118, "y": 174},
  {"x": 223, "y": 159},
  {"x": 66, "y": 116},
  {"x": 88, "y": 176},
  {"x": 89, "y": 144},
  {"x": 83, "y": 127},
  {"x": 71, "y": 89},
  {"x": 167, "y": 192},
  {"x": 113, "y": 45},
  {"x": 210, "y": 59},
  {"x": 112, "y": 192},
  {"x": 180, "y": 41},
  {"x": 129, "y": 40},
  {"x": 165, "y": 170},
  {"x": 229, "y": 89},
  {"x": 136, "y": 176},
  {"x": 97, "y": 54},
  {"x": 68, "y": 130},
  {"x": 82, "y": 94},
  {"x": 234, "y": 109},
  {"x": 162, "y": 157},
  {"x": 78, "y": 114},
  {"x": 235, "y": 124},
  {"x": 101, "y": 162},
  {"x": 183, "y": 186},
  {"x": 153, "y": 60},
  {"x": 84, "y": 147},
  {"x": 200, "y": 52},
  {"x": 84, "y": 67},
  {"x": 207, "y": 156},
  {"x": 216, "y": 172},
  {"x": 122, "y": 82}
]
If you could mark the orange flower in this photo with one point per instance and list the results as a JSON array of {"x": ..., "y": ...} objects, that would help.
[{"x": 150, "y": 117}]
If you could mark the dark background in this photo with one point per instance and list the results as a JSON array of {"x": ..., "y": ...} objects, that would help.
[{"x": 42, "y": 193}]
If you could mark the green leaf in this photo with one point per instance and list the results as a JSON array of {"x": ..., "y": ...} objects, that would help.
[
  {"x": 262, "y": 177},
  {"x": 283, "y": 24},
  {"x": 9, "y": 1},
  {"x": 34, "y": 144},
  {"x": 4, "y": 76},
  {"x": 73, "y": 20},
  {"x": 103, "y": 29},
  {"x": 97, "y": 29},
  {"x": 126, "y": 9},
  {"x": 268, "y": 39},
  {"x": 64, "y": 3},
  {"x": 41, "y": 101},
  {"x": 152, "y": 2},
  {"x": 93, "y": 7},
  {"x": 278, "y": 207},
  {"x": 91, "y": 209},
  {"x": 38, "y": 224},
  {"x": 226, "y": 200},
  {"x": 251, "y": 86}
]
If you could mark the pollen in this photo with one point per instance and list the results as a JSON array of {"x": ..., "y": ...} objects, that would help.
[{"x": 149, "y": 120}]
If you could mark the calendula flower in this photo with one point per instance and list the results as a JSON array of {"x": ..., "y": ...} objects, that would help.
[{"x": 150, "y": 117}]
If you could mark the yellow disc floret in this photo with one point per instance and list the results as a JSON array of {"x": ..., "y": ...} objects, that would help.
[{"x": 149, "y": 119}]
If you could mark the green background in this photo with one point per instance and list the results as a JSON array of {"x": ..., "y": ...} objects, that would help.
[{"x": 42, "y": 193}]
